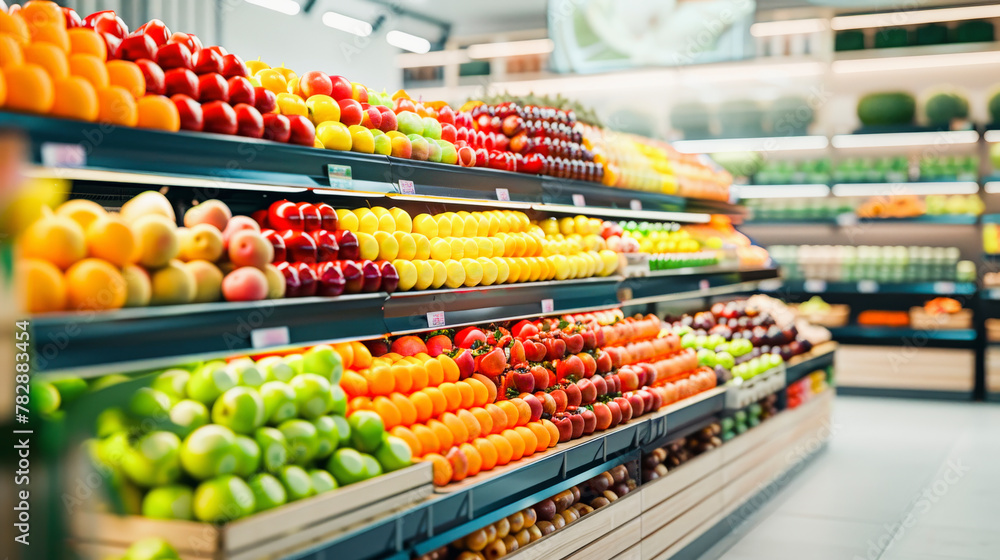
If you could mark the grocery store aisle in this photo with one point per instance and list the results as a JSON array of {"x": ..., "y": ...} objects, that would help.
[{"x": 900, "y": 480}]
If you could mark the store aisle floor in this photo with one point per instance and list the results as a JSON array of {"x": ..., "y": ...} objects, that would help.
[{"x": 900, "y": 480}]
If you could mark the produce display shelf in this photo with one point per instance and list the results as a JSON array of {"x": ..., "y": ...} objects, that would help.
[
  {"x": 890, "y": 336},
  {"x": 896, "y": 393},
  {"x": 872, "y": 287},
  {"x": 990, "y": 294},
  {"x": 850, "y": 220},
  {"x": 991, "y": 218},
  {"x": 820, "y": 357},
  {"x": 684, "y": 283}
]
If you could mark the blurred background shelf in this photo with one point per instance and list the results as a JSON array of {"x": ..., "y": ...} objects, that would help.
[
  {"x": 867, "y": 287},
  {"x": 905, "y": 337}
]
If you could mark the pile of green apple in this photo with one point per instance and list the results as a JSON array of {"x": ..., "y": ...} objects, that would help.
[
  {"x": 757, "y": 366},
  {"x": 715, "y": 350},
  {"x": 220, "y": 441}
]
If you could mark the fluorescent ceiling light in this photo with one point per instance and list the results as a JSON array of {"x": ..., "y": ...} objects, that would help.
[
  {"x": 287, "y": 7},
  {"x": 992, "y": 136},
  {"x": 762, "y": 71},
  {"x": 791, "y": 27},
  {"x": 775, "y": 144},
  {"x": 408, "y": 42},
  {"x": 992, "y": 187},
  {"x": 893, "y": 19},
  {"x": 920, "y": 62},
  {"x": 781, "y": 191},
  {"x": 348, "y": 24},
  {"x": 436, "y": 58},
  {"x": 942, "y": 138},
  {"x": 513, "y": 48},
  {"x": 883, "y": 189}
]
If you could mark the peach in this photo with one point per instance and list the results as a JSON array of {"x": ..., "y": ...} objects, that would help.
[
  {"x": 245, "y": 284},
  {"x": 238, "y": 223},
  {"x": 250, "y": 248},
  {"x": 275, "y": 282},
  {"x": 147, "y": 203},
  {"x": 139, "y": 287},
  {"x": 200, "y": 242},
  {"x": 213, "y": 212},
  {"x": 81, "y": 211},
  {"x": 94, "y": 284},
  {"x": 155, "y": 240},
  {"x": 439, "y": 344},
  {"x": 173, "y": 284},
  {"x": 56, "y": 239},
  {"x": 42, "y": 285},
  {"x": 110, "y": 238},
  {"x": 207, "y": 281},
  {"x": 409, "y": 346}
]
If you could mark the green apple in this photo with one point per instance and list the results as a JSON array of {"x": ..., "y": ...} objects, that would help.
[
  {"x": 347, "y": 466},
  {"x": 393, "y": 454},
  {"x": 329, "y": 438},
  {"x": 169, "y": 502},
  {"x": 273, "y": 448},
  {"x": 151, "y": 548},
  {"x": 419, "y": 147},
  {"x": 247, "y": 456},
  {"x": 147, "y": 402},
  {"x": 111, "y": 451},
  {"x": 434, "y": 150},
  {"x": 366, "y": 430},
  {"x": 372, "y": 466},
  {"x": 296, "y": 482},
  {"x": 344, "y": 429},
  {"x": 448, "y": 152},
  {"x": 302, "y": 440},
  {"x": 322, "y": 481},
  {"x": 112, "y": 420},
  {"x": 223, "y": 498},
  {"x": 295, "y": 362},
  {"x": 267, "y": 491},
  {"x": 275, "y": 368},
  {"x": 209, "y": 381},
  {"x": 249, "y": 374},
  {"x": 689, "y": 340},
  {"x": 706, "y": 358},
  {"x": 70, "y": 388},
  {"x": 383, "y": 144},
  {"x": 725, "y": 359},
  {"x": 240, "y": 409},
  {"x": 279, "y": 402},
  {"x": 339, "y": 398},
  {"x": 312, "y": 395},
  {"x": 172, "y": 383},
  {"x": 409, "y": 123},
  {"x": 189, "y": 415},
  {"x": 324, "y": 360},
  {"x": 106, "y": 381},
  {"x": 154, "y": 460},
  {"x": 432, "y": 129},
  {"x": 209, "y": 451}
]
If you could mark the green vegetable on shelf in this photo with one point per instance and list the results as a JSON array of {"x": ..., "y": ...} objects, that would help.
[
  {"x": 944, "y": 107},
  {"x": 890, "y": 108}
]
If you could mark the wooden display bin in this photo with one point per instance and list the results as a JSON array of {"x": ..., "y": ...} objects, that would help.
[
  {"x": 837, "y": 316},
  {"x": 920, "y": 319},
  {"x": 269, "y": 534}
]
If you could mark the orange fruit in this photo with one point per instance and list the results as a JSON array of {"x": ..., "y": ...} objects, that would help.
[
  {"x": 42, "y": 285},
  {"x": 442, "y": 468},
  {"x": 423, "y": 406},
  {"x": 54, "y": 238},
  {"x": 359, "y": 403},
  {"x": 498, "y": 416},
  {"x": 513, "y": 414},
  {"x": 159, "y": 112},
  {"x": 362, "y": 357},
  {"x": 429, "y": 442},
  {"x": 110, "y": 238},
  {"x": 420, "y": 375},
  {"x": 11, "y": 53},
  {"x": 457, "y": 428},
  {"x": 15, "y": 27},
  {"x": 452, "y": 395},
  {"x": 90, "y": 68},
  {"x": 42, "y": 13},
  {"x": 504, "y": 450},
  {"x": 451, "y": 372},
  {"x": 404, "y": 379},
  {"x": 3, "y": 89},
  {"x": 388, "y": 411},
  {"x": 380, "y": 380},
  {"x": 411, "y": 440},
  {"x": 484, "y": 419},
  {"x": 530, "y": 441},
  {"x": 87, "y": 41},
  {"x": 444, "y": 435},
  {"x": 516, "y": 443},
  {"x": 435, "y": 372},
  {"x": 480, "y": 393},
  {"x": 491, "y": 387},
  {"x": 472, "y": 456},
  {"x": 49, "y": 57},
  {"x": 459, "y": 466},
  {"x": 472, "y": 425},
  {"x": 523, "y": 411},
  {"x": 542, "y": 435},
  {"x": 487, "y": 453},
  {"x": 127, "y": 75},
  {"x": 407, "y": 412},
  {"x": 117, "y": 106},
  {"x": 553, "y": 432},
  {"x": 468, "y": 394},
  {"x": 354, "y": 384},
  {"x": 93, "y": 284},
  {"x": 392, "y": 357},
  {"x": 438, "y": 399},
  {"x": 52, "y": 35},
  {"x": 346, "y": 352},
  {"x": 75, "y": 99}
]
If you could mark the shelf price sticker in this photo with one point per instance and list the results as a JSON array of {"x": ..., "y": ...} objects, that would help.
[
  {"x": 57, "y": 154},
  {"x": 406, "y": 187},
  {"x": 944, "y": 288},
  {"x": 635, "y": 204},
  {"x": 548, "y": 306},
  {"x": 503, "y": 195},
  {"x": 815, "y": 286},
  {"x": 867, "y": 286},
  {"x": 848, "y": 219},
  {"x": 269, "y": 338},
  {"x": 340, "y": 176},
  {"x": 578, "y": 200},
  {"x": 435, "y": 319},
  {"x": 703, "y": 285}
]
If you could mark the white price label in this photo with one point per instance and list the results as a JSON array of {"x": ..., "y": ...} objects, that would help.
[
  {"x": 503, "y": 195},
  {"x": 435, "y": 319},
  {"x": 269, "y": 338},
  {"x": 548, "y": 306},
  {"x": 847, "y": 220},
  {"x": 578, "y": 200},
  {"x": 815, "y": 286},
  {"x": 944, "y": 287},
  {"x": 339, "y": 175},
  {"x": 406, "y": 187},
  {"x": 635, "y": 204},
  {"x": 55, "y": 154},
  {"x": 867, "y": 286},
  {"x": 703, "y": 285}
]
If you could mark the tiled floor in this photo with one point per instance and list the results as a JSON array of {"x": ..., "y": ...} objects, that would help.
[{"x": 900, "y": 480}]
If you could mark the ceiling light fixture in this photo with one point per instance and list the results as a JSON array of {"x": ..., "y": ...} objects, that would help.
[
  {"x": 287, "y": 7},
  {"x": 775, "y": 144},
  {"x": 895, "y": 19},
  {"x": 791, "y": 27},
  {"x": 436, "y": 58},
  {"x": 511, "y": 48},
  {"x": 347, "y": 24},
  {"x": 920, "y": 62},
  {"x": 781, "y": 191},
  {"x": 408, "y": 42},
  {"x": 885, "y": 189},
  {"x": 902, "y": 139}
]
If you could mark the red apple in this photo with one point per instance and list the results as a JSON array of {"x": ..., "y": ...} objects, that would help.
[
  {"x": 616, "y": 413},
  {"x": 307, "y": 279},
  {"x": 600, "y": 384},
  {"x": 636, "y": 403},
  {"x": 347, "y": 241},
  {"x": 155, "y": 30},
  {"x": 135, "y": 47},
  {"x": 372, "y": 277},
  {"x": 466, "y": 156},
  {"x": 555, "y": 348},
  {"x": 72, "y": 19},
  {"x": 522, "y": 380},
  {"x": 219, "y": 117},
  {"x": 277, "y": 242},
  {"x": 156, "y": 81},
  {"x": 351, "y": 112},
  {"x": 212, "y": 87},
  {"x": 186, "y": 39},
  {"x": 446, "y": 115},
  {"x": 106, "y": 21},
  {"x": 371, "y": 118},
  {"x": 389, "y": 122},
  {"x": 603, "y": 362},
  {"x": 328, "y": 216},
  {"x": 329, "y": 279},
  {"x": 265, "y": 100},
  {"x": 277, "y": 127},
  {"x": 173, "y": 55},
  {"x": 577, "y": 422},
  {"x": 468, "y": 336},
  {"x": 588, "y": 393},
  {"x": 465, "y": 362},
  {"x": 390, "y": 276},
  {"x": 111, "y": 42},
  {"x": 221, "y": 50},
  {"x": 353, "y": 278},
  {"x": 299, "y": 247},
  {"x": 562, "y": 401},
  {"x": 565, "y": 427},
  {"x": 341, "y": 88},
  {"x": 303, "y": 131},
  {"x": 625, "y": 407},
  {"x": 315, "y": 83},
  {"x": 589, "y": 421},
  {"x": 534, "y": 351},
  {"x": 284, "y": 214},
  {"x": 241, "y": 91},
  {"x": 438, "y": 344},
  {"x": 449, "y": 133},
  {"x": 482, "y": 158},
  {"x": 534, "y": 404},
  {"x": 293, "y": 287},
  {"x": 310, "y": 217},
  {"x": 234, "y": 67},
  {"x": 181, "y": 81},
  {"x": 602, "y": 415},
  {"x": 549, "y": 405},
  {"x": 249, "y": 121},
  {"x": 206, "y": 62},
  {"x": 327, "y": 248},
  {"x": 190, "y": 111}
]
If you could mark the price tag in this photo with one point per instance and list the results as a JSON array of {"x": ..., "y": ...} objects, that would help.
[
  {"x": 435, "y": 319},
  {"x": 944, "y": 287},
  {"x": 269, "y": 338},
  {"x": 406, "y": 187},
  {"x": 503, "y": 195},
  {"x": 578, "y": 200},
  {"x": 703, "y": 285},
  {"x": 815, "y": 286},
  {"x": 340, "y": 176},
  {"x": 770, "y": 285},
  {"x": 548, "y": 306},
  {"x": 867, "y": 286},
  {"x": 55, "y": 154},
  {"x": 635, "y": 204},
  {"x": 847, "y": 219}
]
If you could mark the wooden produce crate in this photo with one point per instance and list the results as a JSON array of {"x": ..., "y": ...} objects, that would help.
[
  {"x": 837, "y": 316},
  {"x": 920, "y": 319},
  {"x": 269, "y": 534}
]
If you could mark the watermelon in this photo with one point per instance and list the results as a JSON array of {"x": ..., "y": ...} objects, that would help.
[
  {"x": 692, "y": 119},
  {"x": 851, "y": 40},
  {"x": 944, "y": 107},
  {"x": 790, "y": 116},
  {"x": 741, "y": 118},
  {"x": 977, "y": 31},
  {"x": 932, "y": 34},
  {"x": 892, "y": 37},
  {"x": 890, "y": 108},
  {"x": 994, "y": 107}
]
